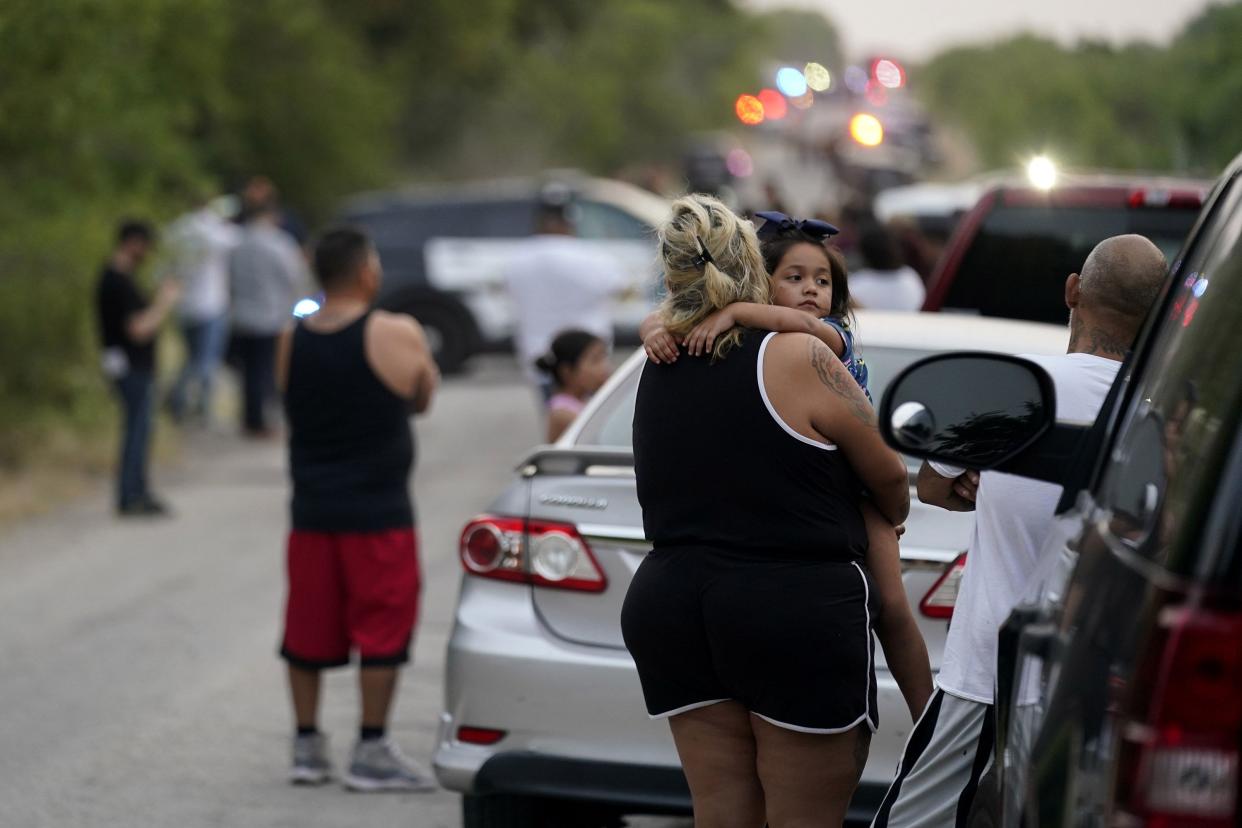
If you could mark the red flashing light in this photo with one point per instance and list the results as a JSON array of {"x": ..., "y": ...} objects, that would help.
[
  {"x": 888, "y": 73},
  {"x": 774, "y": 106},
  {"x": 749, "y": 110},
  {"x": 876, "y": 93}
]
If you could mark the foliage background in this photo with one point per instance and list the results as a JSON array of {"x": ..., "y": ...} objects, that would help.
[
  {"x": 1136, "y": 106},
  {"x": 112, "y": 108}
]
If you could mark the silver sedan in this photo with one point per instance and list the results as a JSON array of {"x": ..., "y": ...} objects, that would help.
[{"x": 544, "y": 722}]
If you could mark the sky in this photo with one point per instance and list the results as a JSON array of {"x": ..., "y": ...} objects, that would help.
[{"x": 917, "y": 29}]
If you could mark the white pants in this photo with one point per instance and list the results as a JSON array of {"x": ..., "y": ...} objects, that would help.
[{"x": 949, "y": 749}]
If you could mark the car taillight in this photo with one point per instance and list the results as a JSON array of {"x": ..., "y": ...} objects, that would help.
[
  {"x": 940, "y": 599},
  {"x": 1178, "y": 763},
  {"x": 1175, "y": 199},
  {"x": 535, "y": 552},
  {"x": 479, "y": 735}
]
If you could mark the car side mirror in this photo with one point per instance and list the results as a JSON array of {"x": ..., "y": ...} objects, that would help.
[{"x": 971, "y": 409}]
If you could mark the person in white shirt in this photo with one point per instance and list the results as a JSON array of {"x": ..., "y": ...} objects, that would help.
[
  {"x": 267, "y": 271},
  {"x": 200, "y": 242},
  {"x": 952, "y": 743},
  {"x": 886, "y": 282},
  {"x": 556, "y": 282}
]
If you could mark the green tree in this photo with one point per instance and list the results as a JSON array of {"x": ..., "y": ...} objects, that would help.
[
  {"x": 1095, "y": 105},
  {"x": 1207, "y": 60},
  {"x": 123, "y": 108}
]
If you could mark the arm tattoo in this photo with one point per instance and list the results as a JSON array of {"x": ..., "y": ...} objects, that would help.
[{"x": 837, "y": 380}]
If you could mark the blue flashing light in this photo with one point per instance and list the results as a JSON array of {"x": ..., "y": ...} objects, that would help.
[{"x": 791, "y": 82}]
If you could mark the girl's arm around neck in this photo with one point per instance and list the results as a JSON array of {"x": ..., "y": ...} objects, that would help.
[{"x": 788, "y": 320}]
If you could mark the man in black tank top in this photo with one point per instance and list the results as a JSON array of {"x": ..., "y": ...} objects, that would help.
[{"x": 351, "y": 378}]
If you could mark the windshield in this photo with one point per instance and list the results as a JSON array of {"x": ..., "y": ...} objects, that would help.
[
  {"x": 612, "y": 423},
  {"x": 1017, "y": 264}
]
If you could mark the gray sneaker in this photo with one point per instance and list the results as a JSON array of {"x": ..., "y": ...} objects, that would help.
[
  {"x": 310, "y": 760},
  {"x": 379, "y": 765}
]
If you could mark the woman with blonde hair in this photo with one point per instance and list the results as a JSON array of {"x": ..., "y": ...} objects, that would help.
[{"x": 750, "y": 621}]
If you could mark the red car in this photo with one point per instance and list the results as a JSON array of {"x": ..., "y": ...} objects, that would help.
[{"x": 1010, "y": 254}]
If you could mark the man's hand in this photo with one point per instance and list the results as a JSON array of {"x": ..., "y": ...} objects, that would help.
[
  {"x": 660, "y": 345},
  {"x": 966, "y": 485},
  {"x": 141, "y": 327},
  {"x": 957, "y": 494},
  {"x": 168, "y": 292},
  {"x": 703, "y": 337}
]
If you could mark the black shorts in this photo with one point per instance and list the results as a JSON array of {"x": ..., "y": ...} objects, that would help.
[{"x": 788, "y": 639}]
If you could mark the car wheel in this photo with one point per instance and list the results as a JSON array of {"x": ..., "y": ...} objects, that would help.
[
  {"x": 507, "y": 811},
  {"x": 501, "y": 811},
  {"x": 450, "y": 332}
]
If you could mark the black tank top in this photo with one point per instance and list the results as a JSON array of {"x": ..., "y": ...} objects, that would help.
[
  {"x": 350, "y": 443},
  {"x": 717, "y": 469}
]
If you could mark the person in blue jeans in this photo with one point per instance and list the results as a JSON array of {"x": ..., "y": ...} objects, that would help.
[
  {"x": 128, "y": 325},
  {"x": 201, "y": 241}
]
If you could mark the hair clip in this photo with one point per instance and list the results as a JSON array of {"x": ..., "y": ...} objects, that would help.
[{"x": 705, "y": 257}]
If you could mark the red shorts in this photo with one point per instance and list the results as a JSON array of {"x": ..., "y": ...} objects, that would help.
[{"x": 351, "y": 591}]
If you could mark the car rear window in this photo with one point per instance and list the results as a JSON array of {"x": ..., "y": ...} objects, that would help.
[{"x": 1017, "y": 263}]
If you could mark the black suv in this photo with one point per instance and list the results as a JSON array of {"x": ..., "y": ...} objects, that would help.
[{"x": 1119, "y": 689}]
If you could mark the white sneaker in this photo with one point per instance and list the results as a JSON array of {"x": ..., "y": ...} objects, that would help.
[
  {"x": 310, "y": 760},
  {"x": 379, "y": 765}
]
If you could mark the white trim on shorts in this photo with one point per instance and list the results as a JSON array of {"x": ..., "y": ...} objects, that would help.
[
  {"x": 822, "y": 730},
  {"x": 686, "y": 709},
  {"x": 867, "y": 679},
  {"x": 763, "y": 392},
  {"x": 866, "y": 716}
]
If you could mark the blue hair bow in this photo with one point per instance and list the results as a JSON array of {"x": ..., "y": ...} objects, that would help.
[{"x": 775, "y": 223}]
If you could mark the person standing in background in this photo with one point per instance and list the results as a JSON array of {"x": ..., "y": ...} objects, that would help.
[
  {"x": 351, "y": 378},
  {"x": 201, "y": 242},
  {"x": 557, "y": 282},
  {"x": 256, "y": 194},
  {"x": 128, "y": 326},
  {"x": 885, "y": 282},
  {"x": 266, "y": 272}
]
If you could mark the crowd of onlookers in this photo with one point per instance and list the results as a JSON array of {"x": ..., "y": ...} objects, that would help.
[{"x": 229, "y": 271}]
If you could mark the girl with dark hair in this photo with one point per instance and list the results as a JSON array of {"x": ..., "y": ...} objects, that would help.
[{"x": 577, "y": 365}]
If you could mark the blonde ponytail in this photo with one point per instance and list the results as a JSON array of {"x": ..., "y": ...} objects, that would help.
[{"x": 711, "y": 259}]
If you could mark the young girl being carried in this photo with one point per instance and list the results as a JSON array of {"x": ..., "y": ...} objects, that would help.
[{"x": 810, "y": 294}]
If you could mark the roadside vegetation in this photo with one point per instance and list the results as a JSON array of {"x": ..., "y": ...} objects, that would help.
[
  {"x": 131, "y": 107},
  {"x": 1136, "y": 106}
]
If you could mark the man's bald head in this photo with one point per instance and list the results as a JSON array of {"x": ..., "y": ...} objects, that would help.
[
  {"x": 1122, "y": 276},
  {"x": 1110, "y": 299}
]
